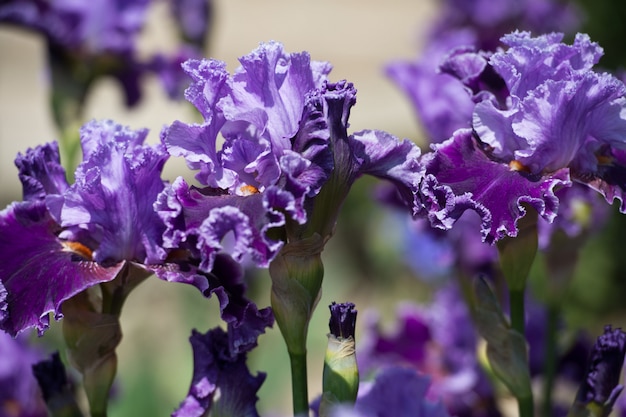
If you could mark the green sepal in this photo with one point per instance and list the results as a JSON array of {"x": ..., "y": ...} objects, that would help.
[
  {"x": 297, "y": 273},
  {"x": 341, "y": 374},
  {"x": 507, "y": 351}
]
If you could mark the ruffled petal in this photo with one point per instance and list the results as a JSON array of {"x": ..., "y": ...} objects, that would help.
[
  {"x": 217, "y": 368},
  {"x": 40, "y": 172},
  {"x": 461, "y": 176},
  {"x": 113, "y": 195},
  {"x": 268, "y": 91},
  {"x": 198, "y": 219}
]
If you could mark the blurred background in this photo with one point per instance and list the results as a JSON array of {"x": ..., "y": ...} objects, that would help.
[{"x": 359, "y": 37}]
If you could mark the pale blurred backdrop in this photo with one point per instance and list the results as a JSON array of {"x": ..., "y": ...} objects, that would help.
[{"x": 357, "y": 36}]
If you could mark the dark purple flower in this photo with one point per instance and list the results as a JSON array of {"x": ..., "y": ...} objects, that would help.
[
  {"x": 221, "y": 380},
  {"x": 285, "y": 138},
  {"x": 95, "y": 27},
  {"x": 601, "y": 387},
  {"x": 63, "y": 239},
  {"x": 438, "y": 340},
  {"x": 342, "y": 321},
  {"x": 19, "y": 392},
  {"x": 396, "y": 392},
  {"x": 581, "y": 211},
  {"x": 560, "y": 121}
]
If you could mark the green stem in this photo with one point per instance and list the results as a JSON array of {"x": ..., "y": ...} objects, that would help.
[
  {"x": 299, "y": 384},
  {"x": 550, "y": 360},
  {"x": 526, "y": 407},
  {"x": 518, "y": 323}
]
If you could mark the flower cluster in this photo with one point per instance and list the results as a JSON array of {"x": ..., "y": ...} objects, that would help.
[{"x": 535, "y": 129}]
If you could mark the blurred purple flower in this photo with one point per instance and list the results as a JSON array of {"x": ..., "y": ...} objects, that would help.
[
  {"x": 90, "y": 39},
  {"x": 559, "y": 121},
  {"x": 285, "y": 137},
  {"x": 194, "y": 19},
  {"x": 396, "y": 392},
  {"x": 492, "y": 19},
  {"x": 438, "y": 340},
  {"x": 19, "y": 392},
  {"x": 438, "y": 98},
  {"x": 581, "y": 211},
  {"x": 601, "y": 388}
]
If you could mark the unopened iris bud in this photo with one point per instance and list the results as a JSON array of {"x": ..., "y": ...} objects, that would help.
[
  {"x": 341, "y": 374},
  {"x": 598, "y": 393}
]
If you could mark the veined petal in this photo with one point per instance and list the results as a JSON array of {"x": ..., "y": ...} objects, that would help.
[
  {"x": 268, "y": 91},
  {"x": 38, "y": 271},
  {"x": 384, "y": 156}
]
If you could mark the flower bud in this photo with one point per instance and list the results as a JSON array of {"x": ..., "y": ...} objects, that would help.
[{"x": 341, "y": 374}]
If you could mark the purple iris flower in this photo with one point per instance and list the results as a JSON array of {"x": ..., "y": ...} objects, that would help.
[
  {"x": 601, "y": 388},
  {"x": 19, "y": 392},
  {"x": 99, "y": 36},
  {"x": 221, "y": 380},
  {"x": 193, "y": 18},
  {"x": 436, "y": 96},
  {"x": 63, "y": 239},
  {"x": 581, "y": 211},
  {"x": 397, "y": 392},
  {"x": 284, "y": 130},
  {"x": 438, "y": 340},
  {"x": 90, "y": 39},
  {"x": 489, "y": 20},
  {"x": 543, "y": 118}
]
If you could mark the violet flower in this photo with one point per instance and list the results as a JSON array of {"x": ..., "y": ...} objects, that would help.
[
  {"x": 64, "y": 239},
  {"x": 221, "y": 380},
  {"x": 489, "y": 20},
  {"x": 396, "y": 392},
  {"x": 436, "y": 96},
  {"x": 284, "y": 128},
  {"x": 19, "y": 393},
  {"x": 438, "y": 340},
  {"x": 555, "y": 120},
  {"x": 601, "y": 387}
]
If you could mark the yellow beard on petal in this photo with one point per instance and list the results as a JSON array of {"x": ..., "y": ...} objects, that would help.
[
  {"x": 248, "y": 190},
  {"x": 79, "y": 249}
]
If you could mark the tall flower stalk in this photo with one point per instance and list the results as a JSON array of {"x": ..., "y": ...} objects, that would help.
[{"x": 280, "y": 177}]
